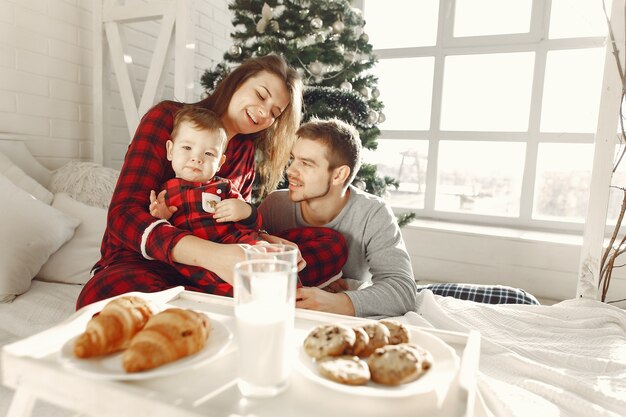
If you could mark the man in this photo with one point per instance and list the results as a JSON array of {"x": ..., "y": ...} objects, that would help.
[{"x": 324, "y": 161}]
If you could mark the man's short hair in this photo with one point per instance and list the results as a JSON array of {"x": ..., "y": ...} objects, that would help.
[
  {"x": 342, "y": 141},
  {"x": 202, "y": 119}
]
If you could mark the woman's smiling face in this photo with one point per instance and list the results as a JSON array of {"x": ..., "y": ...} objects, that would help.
[{"x": 256, "y": 104}]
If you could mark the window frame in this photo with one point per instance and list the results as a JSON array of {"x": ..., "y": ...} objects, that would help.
[{"x": 536, "y": 41}]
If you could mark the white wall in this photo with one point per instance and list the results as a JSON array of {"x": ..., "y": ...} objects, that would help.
[
  {"x": 212, "y": 28},
  {"x": 45, "y": 73},
  {"x": 545, "y": 264}
]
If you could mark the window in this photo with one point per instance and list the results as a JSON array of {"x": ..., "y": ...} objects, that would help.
[{"x": 491, "y": 107}]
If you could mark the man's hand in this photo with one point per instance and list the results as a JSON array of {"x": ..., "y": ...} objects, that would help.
[
  {"x": 232, "y": 210},
  {"x": 158, "y": 208},
  {"x": 312, "y": 298}
]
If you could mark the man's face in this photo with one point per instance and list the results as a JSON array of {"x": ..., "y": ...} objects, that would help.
[
  {"x": 196, "y": 154},
  {"x": 309, "y": 173}
]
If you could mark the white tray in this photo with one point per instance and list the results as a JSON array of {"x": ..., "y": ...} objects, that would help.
[{"x": 31, "y": 367}]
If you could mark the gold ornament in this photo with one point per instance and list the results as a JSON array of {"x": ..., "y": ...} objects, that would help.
[
  {"x": 317, "y": 23},
  {"x": 316, "y": 67},
  {"x": 338, "y": 26},
  {"x": 234, "y": 50}
]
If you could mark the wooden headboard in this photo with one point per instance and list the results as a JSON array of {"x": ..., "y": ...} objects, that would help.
[{"x": 14, "y": 147}]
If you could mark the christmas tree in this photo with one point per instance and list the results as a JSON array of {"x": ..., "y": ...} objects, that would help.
[{"x": 326, "y": 42}]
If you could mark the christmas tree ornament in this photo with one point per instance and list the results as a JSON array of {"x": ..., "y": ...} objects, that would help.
[
  {"x": 372, "y": 117},
  {"x": 261, "y": 25},
  {"x": 364, "y": 37},
  {"x": 381, "y": 117},
  {"x": 375, "y": 92},
  {"x": 267, "y": 15},
  {"x": 346, "y": 85},
  {"x": 303, "y": 13},
  {"x": 338, "y": 26},
  {"x": 262, "y": 50},
  {"x": 234, "y": 51},
  {"x": 365, "y": 92},
  {"x": 316, "y": 67},
  {"x": 300, "y": 72},
  {"x": 317, "y": 23}
]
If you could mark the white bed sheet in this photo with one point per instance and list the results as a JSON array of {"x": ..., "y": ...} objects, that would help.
[
  {"x": 43, "y": 306},
  {"x": 565, "y": 360}
]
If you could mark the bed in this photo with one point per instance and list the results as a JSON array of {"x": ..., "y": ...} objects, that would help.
[
  {"x": 50, "y": 236},
  {"x": 568, "y": 359}
]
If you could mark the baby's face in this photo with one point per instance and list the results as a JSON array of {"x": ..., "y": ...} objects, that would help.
[{"x": 196, "y": 154}]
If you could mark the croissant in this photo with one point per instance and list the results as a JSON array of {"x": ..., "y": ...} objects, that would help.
[
  {"x": 169, "y": 335},
  {"x": 114, "y": 327}
]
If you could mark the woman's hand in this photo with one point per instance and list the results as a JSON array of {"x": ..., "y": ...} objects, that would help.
[
  {"x": 219, "y": 258},
  {"x": 232, "y": 210},
  {"x": 280, "y": 240},
  {"x": 158, "y": 208},
  {"x": 339, "y": 285}
]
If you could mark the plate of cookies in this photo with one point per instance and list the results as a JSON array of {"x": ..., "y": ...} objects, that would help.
[
  {"x": 131, "y": 339},
  {"x": 378, "y": 359}
]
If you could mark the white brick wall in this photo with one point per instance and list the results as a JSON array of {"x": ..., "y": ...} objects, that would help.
[{"x": 46, "y": 73}]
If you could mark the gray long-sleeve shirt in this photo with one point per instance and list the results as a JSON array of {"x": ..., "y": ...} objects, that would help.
[{"x": 376, "y": 250}]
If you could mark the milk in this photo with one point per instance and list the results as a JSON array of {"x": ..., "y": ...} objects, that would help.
[
  {"x": 264, "y": 292},
  {"x": 265, "y": 343}
]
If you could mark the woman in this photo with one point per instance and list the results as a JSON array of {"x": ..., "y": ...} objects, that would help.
[{"x": 259, "y": 104}]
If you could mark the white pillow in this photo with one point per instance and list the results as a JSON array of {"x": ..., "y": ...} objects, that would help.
[
  {"x": 30, "y": 231},
  {"x": 72, "y": 263},
  {"x": 22, "y": 180},
  {"x": 87, "y": 182}
]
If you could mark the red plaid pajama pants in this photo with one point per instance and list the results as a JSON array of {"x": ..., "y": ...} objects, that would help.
[{"x": 323, "y": 249}]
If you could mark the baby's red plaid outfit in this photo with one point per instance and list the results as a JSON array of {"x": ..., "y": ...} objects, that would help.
[{"x": 193, "y": 215}]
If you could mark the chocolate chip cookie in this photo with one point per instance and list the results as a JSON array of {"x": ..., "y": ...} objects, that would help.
[
  {"x": 395, "y": 365},
  {"x": 379, "y": 336},
  {"x": 329, "y": 340},
  {"x": 398, "y": 332},
  {"x": 349, "y": 370}
]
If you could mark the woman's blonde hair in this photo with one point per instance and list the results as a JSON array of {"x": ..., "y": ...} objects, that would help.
[{"x": 273, "y": 155}]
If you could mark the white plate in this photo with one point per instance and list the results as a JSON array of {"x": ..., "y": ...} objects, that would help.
[
  {"x": 110, "y": 366},
  {"x": 441, "y": 374}
]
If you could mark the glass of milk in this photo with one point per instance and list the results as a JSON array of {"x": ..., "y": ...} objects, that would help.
[
  {"x": 277, "y": 251},
  {"x": 264, "y": 293}
]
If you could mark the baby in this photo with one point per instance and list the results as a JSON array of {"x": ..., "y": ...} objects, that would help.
[{"x": 196, "y": 199}]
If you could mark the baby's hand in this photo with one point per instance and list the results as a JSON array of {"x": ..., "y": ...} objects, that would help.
[
  {"x": 158, "y": 208},
  {"x": 232, "y": 210}
]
